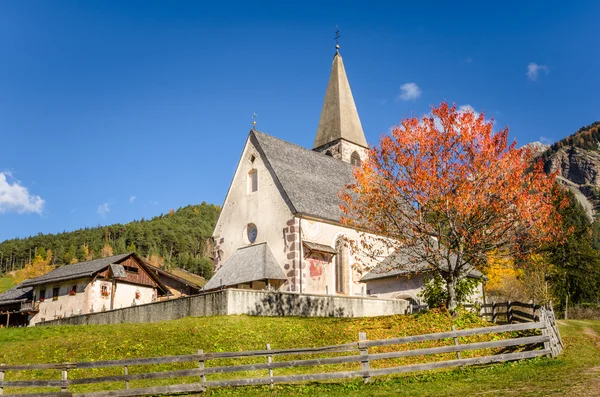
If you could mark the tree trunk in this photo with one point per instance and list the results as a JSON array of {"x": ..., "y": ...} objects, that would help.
[{"x": 451, "y": 283}]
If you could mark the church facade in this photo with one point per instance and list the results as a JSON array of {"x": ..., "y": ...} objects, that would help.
[{"x": 280, "y": 225}]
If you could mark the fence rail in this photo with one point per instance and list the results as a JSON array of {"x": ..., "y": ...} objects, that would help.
[
  {"x": 509, "y": 311},
  {"x": 549, "y": 341}
]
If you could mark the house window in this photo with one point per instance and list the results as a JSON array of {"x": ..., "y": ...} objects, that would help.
[
  {"x": 355, "y": 159},
  {"x": 42, "y": 295},
  {"x": 104, "y": 291},
  {"x": 55, "y": 292},
  {"x": 252, "y": 181},
  {"x": 73, "y": 290},
  {"x": 341, "y": 264},
  {"x": 131, "y": 269}
]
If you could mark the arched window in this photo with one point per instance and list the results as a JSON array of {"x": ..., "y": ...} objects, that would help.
[
  {"x": 341, "y": 265},
  {"x": 355, "y": 159},
  {"x": 252, "y": 181}
]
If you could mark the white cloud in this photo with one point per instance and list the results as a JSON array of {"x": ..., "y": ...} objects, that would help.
[
  {"x": 132, "y": 199},
  {"x": 545, "y": 140},
  {"x": 409, "y": 91},
  {"x": 533, "y": 70},
  {"x": 103, "y": 209},
  {"x": 464, "y": 108},
  {"x": 16, "y": 198}
]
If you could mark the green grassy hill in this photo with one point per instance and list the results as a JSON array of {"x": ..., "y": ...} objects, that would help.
[
  {"x": 574, "y": 373},
  {"x": 6, "y": 283}
]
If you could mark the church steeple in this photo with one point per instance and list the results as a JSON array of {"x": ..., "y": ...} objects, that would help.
[{"x": 339, "y": 117}]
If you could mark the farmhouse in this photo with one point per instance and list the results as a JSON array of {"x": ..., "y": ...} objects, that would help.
[
  {"x": 179, "y": 282},
  {"x": 15, "y": 306},
  {"x": 97, "y": 285},
  {"x": 280, "y": 227}
]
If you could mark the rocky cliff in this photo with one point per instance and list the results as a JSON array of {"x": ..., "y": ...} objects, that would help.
[{"x": 577, "y": 159}]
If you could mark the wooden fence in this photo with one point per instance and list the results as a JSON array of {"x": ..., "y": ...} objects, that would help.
[
  {"x": 547, "y": 343},
  {"x": 511, "y": 312}
]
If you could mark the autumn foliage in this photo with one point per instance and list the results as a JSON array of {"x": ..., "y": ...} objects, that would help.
[
  {"x": 446, "y": 190},
  {"x": 39, "y": 266}
]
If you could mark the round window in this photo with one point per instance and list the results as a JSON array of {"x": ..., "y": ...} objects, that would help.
[{"x": 252, "y": 232}]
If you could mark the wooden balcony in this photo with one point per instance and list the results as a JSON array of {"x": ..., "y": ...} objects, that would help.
[{"x": 30, "y": 306}]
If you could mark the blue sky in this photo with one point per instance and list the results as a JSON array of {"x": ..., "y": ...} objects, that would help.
[{"x": 114, "y": 111}]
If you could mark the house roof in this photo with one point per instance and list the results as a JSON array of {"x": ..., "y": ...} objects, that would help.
[
  {"x": 310, "y": 181},
  {"x": 180, "y": 275},
  {"x": 251, "y": 263},
  {"x": 78, "y": 270},
  {"x": 89, "y": 269},
  {"x": 16, "y": 294},
  {"x": 401, "y": 264},
  {"x": 339, "y": 117}
]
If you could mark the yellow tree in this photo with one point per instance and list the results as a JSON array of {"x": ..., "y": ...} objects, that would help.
[{"x": 38, "y": 267}]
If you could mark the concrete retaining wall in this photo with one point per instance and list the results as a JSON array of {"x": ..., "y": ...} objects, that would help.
[{"x": 235, "y": 301}]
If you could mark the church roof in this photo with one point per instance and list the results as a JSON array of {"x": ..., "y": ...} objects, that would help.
[
  {"x": 339, "y": 117},
  {"x": 251, "y": 263},
  {"x": 400, "y": 264},
  {"x": 310, "y": 181}
]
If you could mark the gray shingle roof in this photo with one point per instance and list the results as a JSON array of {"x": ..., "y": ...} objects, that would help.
[
  {"x": 251, "y": 263},
  {"x": 319, "y": 247},
  {"x": 401, "y": 264},
  {"x": 16, "y": 294},
  {"x": 310, "y": 180},
  {"x": 78, "y": 270}
]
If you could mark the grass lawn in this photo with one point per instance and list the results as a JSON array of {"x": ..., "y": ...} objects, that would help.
[
  {"x": 576, "y": 372},
  {"x": 6, "y": 283}
]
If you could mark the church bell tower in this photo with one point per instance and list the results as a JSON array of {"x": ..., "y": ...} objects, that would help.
[{"x": 340, "y": 132}]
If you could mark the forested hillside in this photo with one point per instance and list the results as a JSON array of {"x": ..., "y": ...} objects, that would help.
[{"x": 178, "y": 238}]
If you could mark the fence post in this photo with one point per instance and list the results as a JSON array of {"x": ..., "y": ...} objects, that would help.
[
  {"x": 456, "y": 342},
  {"x": 270, "y": 360},
  {"x": 545, "y": 331},
  {"x": 126, "y": 372},
  {"x": 1, "y": 378},
  {"x": 509, "y": 312},
  {"x": 63, "y": 389},
  {"x": 494, "y": 312},
  {"x": 364, "y": 351},
  {"x": 201, "y": 366}
]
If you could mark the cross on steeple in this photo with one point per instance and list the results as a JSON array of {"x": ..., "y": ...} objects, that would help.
[
  {"x": 254, "y": 121},
  {"x": 337, "y": 37}
]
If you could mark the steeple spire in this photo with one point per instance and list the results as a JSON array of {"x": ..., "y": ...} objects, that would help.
[{"x": 339, "y": 117}]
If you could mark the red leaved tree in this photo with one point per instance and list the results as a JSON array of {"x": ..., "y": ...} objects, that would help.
[{"x": 445, "y": 190}]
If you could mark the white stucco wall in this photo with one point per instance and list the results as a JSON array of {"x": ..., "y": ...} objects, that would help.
[
  {"x": 395, "y": 287},
  {"x": 66, "y": 305},
  {"x": 125, "y": 295},
  {"x": 265, "y": 208},
  {"x": 88, "y": 298},
  {"x": 402, "y": 287},
  {"x": 322, "y": 281}
]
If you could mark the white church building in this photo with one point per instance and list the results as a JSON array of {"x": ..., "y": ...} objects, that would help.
[{"x": 280, "y": 225}]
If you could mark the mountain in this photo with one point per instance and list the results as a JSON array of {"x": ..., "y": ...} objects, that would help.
[
  {"x": 180, "y": 238},
  {"x": 577, "y": 159}
]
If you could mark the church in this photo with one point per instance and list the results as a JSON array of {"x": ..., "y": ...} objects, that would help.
[{"x": 280, "y": 225}]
